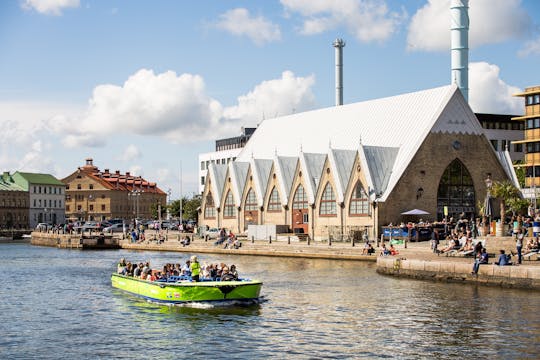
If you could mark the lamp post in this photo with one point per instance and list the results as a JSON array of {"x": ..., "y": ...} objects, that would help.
[
  {"x": 489, "y": 184},
  {"x": 134, "y": 194}
]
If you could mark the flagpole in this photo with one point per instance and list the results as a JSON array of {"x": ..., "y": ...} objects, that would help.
[{"x": 181, "y": 215}]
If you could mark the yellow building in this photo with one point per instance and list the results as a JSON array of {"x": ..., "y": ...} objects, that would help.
[
  {"x": 532, "y": 139},
  {"x": 97, "y": 195}
]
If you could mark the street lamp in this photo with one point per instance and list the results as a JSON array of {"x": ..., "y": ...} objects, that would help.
[{"x": 134, "y": 194}]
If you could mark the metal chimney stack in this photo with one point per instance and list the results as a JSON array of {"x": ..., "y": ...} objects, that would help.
[
  {"x": 459, "y": 31},
  {"x": 339, "y": 44}
]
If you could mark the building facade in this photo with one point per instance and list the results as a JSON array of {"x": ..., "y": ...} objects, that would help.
[
  {"x": 226, "y": 150},
  {"x": 46, "y": 195},
  {"x": 358, "y": 167},
  {"x": 531, "y": 141},
  {"x": 14, "y": 204},
  {"x": 94, "y": 195},
  {"x": 504, "y": 134}
]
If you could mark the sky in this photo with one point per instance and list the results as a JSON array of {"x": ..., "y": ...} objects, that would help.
[{"x": 145, "y": 86}]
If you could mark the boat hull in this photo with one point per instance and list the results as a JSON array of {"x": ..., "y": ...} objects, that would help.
[{"x": 181, "y": 292}]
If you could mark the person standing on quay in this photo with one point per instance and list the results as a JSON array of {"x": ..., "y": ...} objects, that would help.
[{"x": 519, "y": 244}]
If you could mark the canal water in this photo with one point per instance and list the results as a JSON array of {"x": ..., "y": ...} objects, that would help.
[{"x": 60, "y": 304}]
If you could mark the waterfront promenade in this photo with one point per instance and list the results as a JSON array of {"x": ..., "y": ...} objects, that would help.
[{"x": 416, "y": 261}]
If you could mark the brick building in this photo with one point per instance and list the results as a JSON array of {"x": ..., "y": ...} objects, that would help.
[
  {"x": 358, "y": 166},
  {"x": 92, "y": 194}
]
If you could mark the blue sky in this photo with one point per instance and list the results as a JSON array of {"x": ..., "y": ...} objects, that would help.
[{"x": 144, "y": 86}]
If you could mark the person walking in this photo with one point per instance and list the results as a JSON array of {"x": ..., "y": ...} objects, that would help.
[{"x": 519, "y": 243}]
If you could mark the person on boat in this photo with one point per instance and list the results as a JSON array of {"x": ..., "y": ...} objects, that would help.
[
  {"x": 186, "y": 269},
  {"x": 213, "y": 271},
  {"x": 234, "y": 272},
  {"x": 195, "y": 268},
  {"x": 121, "y": 266},
  {"x": 226, "y": 275}
]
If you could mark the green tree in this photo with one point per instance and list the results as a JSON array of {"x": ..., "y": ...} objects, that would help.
[
  {"x": 154, "y": 210},
  {"x": 189, "y": 207},
  {"x": 506, "y": 192},
  {"x": 518, "y": 206}
]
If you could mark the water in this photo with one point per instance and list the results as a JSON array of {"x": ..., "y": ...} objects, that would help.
[{"x": 60, "y": 304}]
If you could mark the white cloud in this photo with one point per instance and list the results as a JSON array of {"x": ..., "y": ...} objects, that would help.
[
  {"x": 489, "y": 94},
  {"x": 531, "y": 48},
  {"x": 49, "y": 7},
  {"x": 367, "y": 20},
  {"x": 491, "y": 21},
  {"x": 273, "y": 98},
  {"x": 136, "y": 170},
  {"x": 258, "y": 29},
  {"x": 177, "y": 109},
  {"x": 26, "y": 137},
  {"x": 131, "y": 152}
]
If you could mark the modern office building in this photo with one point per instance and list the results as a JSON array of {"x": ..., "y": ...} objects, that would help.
[
  {"x": 226, "y": 150},
  {"x": 92, "y": 194},
  {"x": 504, "y": 134},
  {"x": 46, "y": 195},
  {"x": 531, "y": 141}
]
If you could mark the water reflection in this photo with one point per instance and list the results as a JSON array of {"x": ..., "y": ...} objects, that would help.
[{"x": 313, "y": 309}]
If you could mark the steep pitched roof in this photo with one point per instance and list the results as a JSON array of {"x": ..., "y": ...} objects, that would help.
[
  {"x": 380, "y": 161},
  {"x": 217, "y": 173},
  {"x": 238, "y": 171},
  {"x": 285, "y": 167},
  {"x": 312, "y": 165},
  {"x": 260, "y": 169},
  {"x": 401, "y": 122},
  {"x": 341, "y": 163}
]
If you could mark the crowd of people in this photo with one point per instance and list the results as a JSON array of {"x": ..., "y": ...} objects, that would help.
[{"x": 191, "y": 270}]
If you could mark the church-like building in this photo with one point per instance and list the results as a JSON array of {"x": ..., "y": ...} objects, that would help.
[{"x": 357, "y": 167}]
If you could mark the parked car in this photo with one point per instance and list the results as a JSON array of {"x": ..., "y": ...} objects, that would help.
[
  {"x": 212, "y": 233},
  {"x": 114, "y": 228}
]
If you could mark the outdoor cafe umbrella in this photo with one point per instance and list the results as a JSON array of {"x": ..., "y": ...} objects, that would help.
[{"x": 415, "y": 212}]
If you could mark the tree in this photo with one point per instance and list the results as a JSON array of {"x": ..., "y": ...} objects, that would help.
[
  {"x": 506, "y": 192},
  {"x": 189, "y": 207}
]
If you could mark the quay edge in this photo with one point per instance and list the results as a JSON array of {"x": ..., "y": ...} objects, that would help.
[{"x": 519, "y": 277}]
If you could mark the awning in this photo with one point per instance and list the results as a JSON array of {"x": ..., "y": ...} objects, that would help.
[{"x": 415, "y": 212}]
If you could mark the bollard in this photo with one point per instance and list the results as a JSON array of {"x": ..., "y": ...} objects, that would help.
[
  {"x": 352, "y": 241},
  {"x": 405, "y": 243},
  {"x": 308, "y": 240},
  {"x": 289, "y": 240},
  {"x": 252, "y": 239},
  {"x": 329, "y": 241},
  {"x": 206, "y": 238},
  {"x": 270, "y": 239}
]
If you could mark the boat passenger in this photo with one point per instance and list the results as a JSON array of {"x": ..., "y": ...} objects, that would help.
[
  {"x": 213, "y": 271},
  {"x": 195, "y": 268},
  {"x": 186, "y": 269},
  {"x": 129, "y": 269},
  {"x": 226, "y": 275},
  {"x": 121, "y": 266},
  {"x": 138, "y": 270},
  {"x": 234, "y": 272}
]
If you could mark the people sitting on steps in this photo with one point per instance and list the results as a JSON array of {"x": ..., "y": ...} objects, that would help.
[
  {"x": 504, "y": 259},
  {"x": 482, "y": 259}
]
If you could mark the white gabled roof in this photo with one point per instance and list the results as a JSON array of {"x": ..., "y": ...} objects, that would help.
[
  {"x": 238, "y": 171},
  {"x": 260, "y": 170},
  {"x": 341, "y": 163},
  {"x": 285, "y": 167},
  {"x": 312, "y": 167},
  {"x": 401, "y": 122},
  {"x": 217, "y": 173}
]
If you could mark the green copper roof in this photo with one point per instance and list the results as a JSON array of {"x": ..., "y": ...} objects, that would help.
[
  {"x": 7, "y": 183},
  {"x": 35, "y": 178}
]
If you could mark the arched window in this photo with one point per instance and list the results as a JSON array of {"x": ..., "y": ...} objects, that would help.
[
  {"x": 359, "y": 201},
  {"x": 274, "y": 202},
  {"x": 456, "y": 191},
  {"x": 328, "y": 201},
  {"x": 300, "y": 199},
  {"x": 209, "y": 207},
  {"x": 229, "y": 210},
  {"x": 251, "y": 201}
]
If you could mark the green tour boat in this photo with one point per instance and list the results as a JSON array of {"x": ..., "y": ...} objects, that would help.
[{"x": 178, "y": 290}]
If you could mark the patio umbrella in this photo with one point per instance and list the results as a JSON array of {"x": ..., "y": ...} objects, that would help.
[
  {"x": 415, "y": 212},
  {"x": 488, "y": 207}
]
